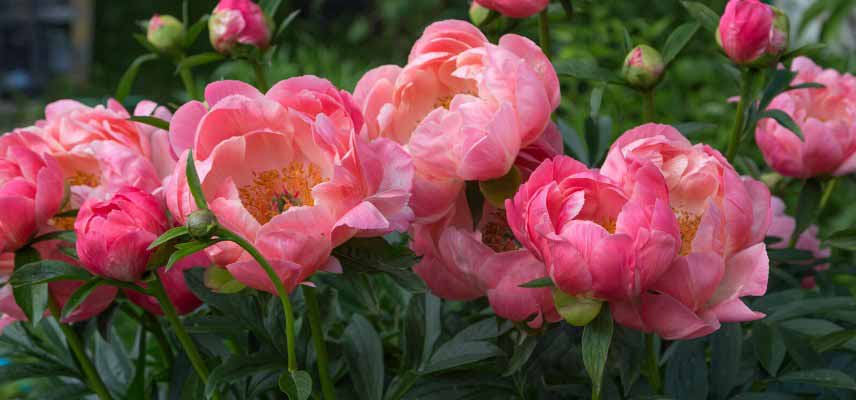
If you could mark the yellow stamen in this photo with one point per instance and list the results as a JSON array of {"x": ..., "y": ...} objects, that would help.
[
  {"x": 497, "y": 235},
  {"x": 274, "y": 191},
  {"x": 688, "y": 223},
  {"x": 81, "y": 178}
]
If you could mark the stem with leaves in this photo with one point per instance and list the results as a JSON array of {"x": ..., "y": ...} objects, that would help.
[
  {"x": 169, "y": 312},
  {"x": 314, "y": 311},
  {"x": 747, "y": 78},
  {"x": 544, "y": 32},
  {"x": 76, "y": 345},
  {"x": 226, "y": 234},
  {"x": 652, "y": 364}
]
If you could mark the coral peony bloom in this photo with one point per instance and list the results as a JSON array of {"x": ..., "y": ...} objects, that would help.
[
  {"x": 751, "y": 31},
  {"x": 238, "y": 22},
  {"x": 113, "y": 235},
  {"x": 460, "y": 262},
  {"x": 287, "y": 171},
  {"x": 596, "y": 238},
  {"x": 31, "y": 191},
  {"x": 175, "y": 286},
  {"x": 488, "y": 100},
  {"x": 95, "y": 303},
  {"x": 515, "y": 8},
  {"x": 782, "y": 227},
  {"x": 827, "y": 118},
  {"x": 723, "y": 219}
]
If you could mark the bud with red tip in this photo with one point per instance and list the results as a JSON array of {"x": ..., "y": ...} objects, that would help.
[
  {"x": 165, "y": 32},
  {"x": 643, "y": 67}
]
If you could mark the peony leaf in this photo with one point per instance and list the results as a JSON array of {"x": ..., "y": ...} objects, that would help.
[
  {"x": 151, "y": 121},
  {"x": 79, "y": 296},
  {"x": 726, "y": 347},
  {"x": 364, "y": 356},
  {"x": 199, "y": 59},
  {"x": 539, "y": 283},
  {"x": 784, "y": 120},
  {"x": 171, "y": 234},
  {"x": 130, "y": 75},
  {"x": 708, "y": 18},
  {"x": 587, "y": 72},
  {"x": 679, "y": 39},
  {"x": 821, "y": 377},
  {"x": 296, "y": 384},
  {"x": 195, "y": 29},
  {"x": 193, "y": 182},
  {"x": 686, "y": 371},
  {"x": 844, "y": 239},
  {"x": 807, "y": 206},
  {"x": 597, "y": 337}
]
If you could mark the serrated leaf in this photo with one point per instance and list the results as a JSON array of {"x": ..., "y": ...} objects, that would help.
[
  {"x": 587, "y": 71},
  {"x": 171, "y": 234},
  {"x": 45, "y": 271},
  {"x": 193, "y": 182},
  {"x": 199, "y": 59},
  {"x": 364, "y": 356},
  {"x": 708, "y": 18},
  {"x": 678, "y": 39},
  {"x": 130, "y": 75},
  {"x": 821, "y": 377},
  {"x": 597, "y": 337},
  {"x": 79, "y": 296},
  {"x": 784, "y": 120},
  {"x": 539, "y": 283},
  {"x": 151, "y": 121},
  {"x": 296, "y": 384}
]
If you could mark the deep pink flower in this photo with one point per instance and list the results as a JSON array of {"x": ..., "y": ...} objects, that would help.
[
  {"x": 462, "y": 262},
  {"x": 113, "y": 235},
  {"x": 238, "y": 22},
  {"x": 723, "y": 219},
  {"x": 597, "y": 238},
  {"x": 287, "y": 171},
  {"x": 749, "y": 30},
  {"x": 515, "y": 8},
  {"x": 175, "y": 286},
  {"x": 489, "y": 100},
  {"x": 31, "y": 191},
  {"x": 827, "y": 118}
]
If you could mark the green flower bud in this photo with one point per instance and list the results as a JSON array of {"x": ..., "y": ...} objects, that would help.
[
  {"x": 577, "y": 311},
  {"x": 643, "y": 67},
  {"x": 165, "y": 32},
  {"x": 201, "y": 224}
]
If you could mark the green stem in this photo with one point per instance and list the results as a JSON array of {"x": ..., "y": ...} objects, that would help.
[
  {"x": 76, "y": 345},
  {"x": 831, "y": 184},
  {"x": 277, "y": 283},
  {"x": 180, "y": 333},
  {"x": 155, "y": 327},
  {"x": 544, "y": 32},
  {"x": 737, "y": 129},
  {"x": 189, "y": 83},
  {"x": 648, "y": 103},
  {"x": 261, "y": 78},
  {"x": 314, "y": 311},
  {"x": 652, "y": 365}
]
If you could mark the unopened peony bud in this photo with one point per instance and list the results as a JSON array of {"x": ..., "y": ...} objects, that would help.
[
  {"x": 201, "y": 224},
  {"x": 643, "y": 67},
  {"x": 238, "y": 22},
  {"x": 576, "y": 310},
  {"x": 496, "y": 191},
  {"x": 165, "y": 32},
  {"x": 753, "y": 33}
]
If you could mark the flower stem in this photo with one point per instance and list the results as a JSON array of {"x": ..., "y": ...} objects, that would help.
[
  {"x": 277, "y": 283},
  {"x": 76, "y": 345},
  {"x": 831, "y": 184},
  {"x": 648, "y": 102},
  {"x": 311, "y": 299},
  {"x": 739, "y": 118},
  {"x": 652, "y": 365},
  {"x": 261, "y": 78},
  {"x": 186, "y": 342},
  {"x": 163, "y": 343},
  {"x": 544, "y": 32}
]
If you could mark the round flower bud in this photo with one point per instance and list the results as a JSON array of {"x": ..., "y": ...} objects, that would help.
[
  {"x": 643, "y": 67},
  {"x": 165, "y": 32},
  {"x": 239, "y": 22},
  {"x": 201, "y": 224},
  {"x": 753, "y": 33}
]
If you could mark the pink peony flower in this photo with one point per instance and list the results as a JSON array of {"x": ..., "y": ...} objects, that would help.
[
  {"x": 515, "y": 8},
  {"x": 749, "y": 30},
  {"x": 287, "y": 171},
  {"x": 596, "y": 238},
  {"x": 31, "y": 191},
  {"x": 175, "y": 286},
  {"x": 723, "y": 219},
  {"x": 827, "y": 118},
  {"x": 489, "y": 100},
  {"x": 461, "y": 262},
  {"x": 113, "y": 235},
  {"x": 238, "y": 22}
]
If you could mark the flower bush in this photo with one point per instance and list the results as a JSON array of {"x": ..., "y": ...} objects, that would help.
[{"x": 443, "y": 230}]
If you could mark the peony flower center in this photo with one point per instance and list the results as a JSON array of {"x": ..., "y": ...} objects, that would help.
[
  {"x": 81, "y": 178},
  {"x": 273, "y": 191},
  {"x": 62, "y": 223},
  {"x": 688, "y": 223},
  {"x": 444, "y": 102},
  {"x": 497, "y": 235},
  {"x": 608, "y": 223}
]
